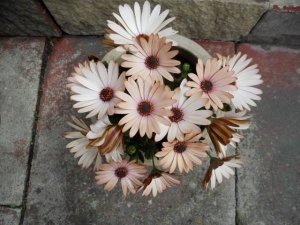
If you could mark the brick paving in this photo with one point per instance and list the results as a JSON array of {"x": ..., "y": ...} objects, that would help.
[{"x": 60, "y": 192}]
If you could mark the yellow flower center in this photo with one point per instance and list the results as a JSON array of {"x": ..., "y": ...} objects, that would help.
[
  {"x": 106, "y": 94},
  {"x": 180, "y": 147},
  {"x": 145, "y": 108},
  {"x": 178, "y": 115},
  {"x": 206, "y": 86},
  {"x": 121, "y": 172}
]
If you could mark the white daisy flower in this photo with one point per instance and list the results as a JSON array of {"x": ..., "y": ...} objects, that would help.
[
  {"x": 139, "y": 23},
  {"x": 157, "y": 182},
  {"x": 222, "y": 131},
  {"x": 95, "y": 88},
  {"x": 219, "y": 168},
  {"x": 247, "y": 77},
  {"x": 81, "y": 146}
]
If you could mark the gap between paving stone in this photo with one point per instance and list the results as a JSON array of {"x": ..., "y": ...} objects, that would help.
[{"x": 45, "y": 58}]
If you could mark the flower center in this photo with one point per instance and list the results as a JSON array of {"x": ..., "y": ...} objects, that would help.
[
  {"x": 206, "y": 86},
  {"x": 178, "y": 115},
  {"x": 106, "y": 94},
  {"x": 121, "y": 172},
  {"x": 145, "y": 108},
  {"x": 152, "y": 62},
  {"x": 180, "y": 147}
]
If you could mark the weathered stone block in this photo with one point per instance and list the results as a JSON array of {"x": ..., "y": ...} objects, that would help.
[
  {"x": 21, "y": 61},
  {"x": 9, "y": 216},
  {"x": 26, "y": 18},
  {"x": 213, "y": 19},
  {"x": 277, "y": 24}
]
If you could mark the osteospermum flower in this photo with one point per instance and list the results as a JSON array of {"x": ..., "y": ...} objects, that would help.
[
  {"x": 127, "y": 172},
  {"x": 153, "y": 58},
  {"x": 222, "y": 130},
  {"x": 158, "y": 181},
  {"x": 213, "y": 83},
  {"x": 95, "y": 88},
  {"x": 139, "y": 23},
  {"x": 144, "y": 106},
  {"x": 182, "y": 153},
  {"x": 186, "y": 115},
  {"x": 219, "y": 168},
  {"x": 78, "y": 71},
  {"x": 108, "y": 138},
  {"x": 247, "y": 77},
  {"x": 81, "y": 146}
]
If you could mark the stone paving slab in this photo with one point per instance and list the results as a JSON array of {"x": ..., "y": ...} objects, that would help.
[
  {"x": 279, "y": 25},
  {"x": 9, "y": 216},
  {"x": 61, "y": 192},
  {"x": 268, "y": 187},
  {"x": 20, "y": 61},
  {"x": 26, "y": 18}
]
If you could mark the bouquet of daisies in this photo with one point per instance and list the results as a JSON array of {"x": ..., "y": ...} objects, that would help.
[{"x": 156, "y": 108}]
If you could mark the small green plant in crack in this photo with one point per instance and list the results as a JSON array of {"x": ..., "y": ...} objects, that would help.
[{"x": 13, "y": 206}]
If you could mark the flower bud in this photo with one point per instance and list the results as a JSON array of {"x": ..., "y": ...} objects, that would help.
[
  {"x": 185, "y": 68},
  {"x": 131, "y": 150}
]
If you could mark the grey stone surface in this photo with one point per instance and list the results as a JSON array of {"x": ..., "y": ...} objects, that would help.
[
  {"x": 268, "y": 187},
  {"x": 277, "y": 24},
  {"x": 20, "y": 60},
  {"x": 213, "y": 19},
  {"x": 61, "y": 192},
  {"x": 26, "y": 18},
  {"x": 9, "y": 216}
]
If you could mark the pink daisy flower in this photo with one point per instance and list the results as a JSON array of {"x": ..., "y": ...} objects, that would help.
[
  {"x": 153, "y": 59},
  {"x": 212, "y": 82},
  {"x": 127, "y": 172},
  {"x": 144, "y": 106},
  {"x": 182, "y": 153},
  {"x": 186, "y": 115}
]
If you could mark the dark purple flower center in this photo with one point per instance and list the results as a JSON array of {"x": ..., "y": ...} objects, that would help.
[
  {"x": 180, "y": 147},
  {"x": 178, "y": 115},
  {"x": 121, "y": 172},
  {"x": 152, "y": 62},
  {"x": 106, "y": 94},
  {"x": 206, "y": 85},
  {"x": 145, "y": 108}
]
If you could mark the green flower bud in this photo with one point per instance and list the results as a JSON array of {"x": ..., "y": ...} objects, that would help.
[
  {"x": 185, "y": 67},
  {"x": 131, "y": 150}
]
